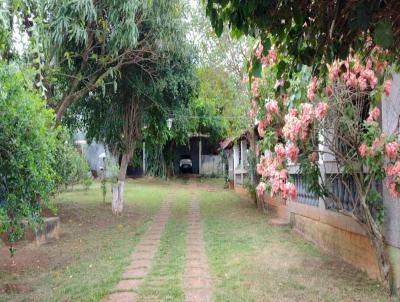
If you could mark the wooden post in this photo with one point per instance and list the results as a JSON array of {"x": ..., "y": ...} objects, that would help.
[
  {"x": 200, "y": 156},
  {"x": 144, "y": 158}
]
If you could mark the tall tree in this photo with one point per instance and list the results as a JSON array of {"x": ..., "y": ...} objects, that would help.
[{"x": 116, "y": 117}]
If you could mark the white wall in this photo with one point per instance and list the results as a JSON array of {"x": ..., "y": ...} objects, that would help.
[
  {"x": 390, "y": 124},
  {"x": 211, "y": 164}
]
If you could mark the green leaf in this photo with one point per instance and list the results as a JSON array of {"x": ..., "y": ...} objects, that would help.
[
  {"x": 256, "y": 68},
  {"x": 383, "y": 34}
]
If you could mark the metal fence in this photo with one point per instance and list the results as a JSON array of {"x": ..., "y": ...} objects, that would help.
[{"x": 304, "y": 195}]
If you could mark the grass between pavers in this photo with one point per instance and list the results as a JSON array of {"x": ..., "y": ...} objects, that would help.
[
  {"x": 94, "y": 248},
  {"x": 164, "y": 281},
  {"x": 253, "y": 261}
]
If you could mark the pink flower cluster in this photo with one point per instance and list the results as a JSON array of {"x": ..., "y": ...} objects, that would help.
[
  {"x": 356, "y": 75},
  {"x": 271, "y": 169},
  {"x": 373, "y": 115},
  {"x": 311, "y": 88},
  {"x": 258, "y": 50},
  {"x": 297, "y": 125},
  {"x": 392, "y": 169},
  {"x": 393, "y": 179}
]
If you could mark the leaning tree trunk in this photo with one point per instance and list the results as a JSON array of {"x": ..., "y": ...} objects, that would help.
[
  {"x": 118, "y": 189},
  {"x": 378, "y": 242}
]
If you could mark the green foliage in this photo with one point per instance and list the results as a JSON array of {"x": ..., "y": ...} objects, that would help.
[
  {"x": 28, "y": 153},
  {"x": 72, "y": 167}
]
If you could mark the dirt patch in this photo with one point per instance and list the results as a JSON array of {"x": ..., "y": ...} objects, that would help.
[
  {"x": 27, "y": 258},
  {"x": 16, "y": 288}
]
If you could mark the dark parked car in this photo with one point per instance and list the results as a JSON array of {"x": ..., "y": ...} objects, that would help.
[{"x": 186, "y": 164}]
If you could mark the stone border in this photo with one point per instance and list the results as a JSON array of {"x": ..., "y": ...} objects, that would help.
[{"x": 196, "y": 279}]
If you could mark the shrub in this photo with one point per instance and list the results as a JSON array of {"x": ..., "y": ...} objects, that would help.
[
  {"x": 72, "y": 168},
  {"x": 28, "y": 149}
]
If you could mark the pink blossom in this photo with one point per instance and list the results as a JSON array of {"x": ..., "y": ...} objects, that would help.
[
  {"x": 272, "y": 57},
  {"x": 283, "y": 174},
  {"x": 292, "y": 152},
  {"x": 328, "y": 90},
  {"x": 312, "y": 86},
  {"x": 377, "y": 144},
  {"x": 373, "y": 115},
  {"x": 380, "y": 68},
  {"x": 291, "y": 191},
  {"x": 264, "y": 61},
  {"x": 260, "y": 189},
  {"x": 391, "y": 150},
  {"x": 312, "y": 157},
  {"x": 258, "y": 50},
  {"x": 260, "y": 169},
  {"x": 387, "y": 87},
  {"x": 254, "y": 87},
  {"x": 260, "y": 128},
  {"x": 362, "y": 84},
  {"x": 307, "y": 113},
  {"x": 272, "y": 107},
  {"x": 362, "y": 150},
  {"x": 292, "y": 126},
  {"x": 320, "y": 111},
  {"x": 280, "y": 150}
]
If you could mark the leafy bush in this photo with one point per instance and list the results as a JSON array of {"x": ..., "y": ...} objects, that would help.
[
  {"x": 28, "y": 150},
  {"x": 72, "y": 168}
]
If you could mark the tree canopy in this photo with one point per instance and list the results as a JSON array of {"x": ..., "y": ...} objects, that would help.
[{"x": 311, "y": 32}]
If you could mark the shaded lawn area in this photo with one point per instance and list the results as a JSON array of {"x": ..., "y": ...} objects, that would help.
[
  {"x": 253, "y": 261},
  {"x": 249, "y": 260},
  {"x": 93, "y": 249}
]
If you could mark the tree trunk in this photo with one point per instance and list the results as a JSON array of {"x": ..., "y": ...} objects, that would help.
[
  {"x": 378, "y": 243},
  {"x": 118, "y": 189}
]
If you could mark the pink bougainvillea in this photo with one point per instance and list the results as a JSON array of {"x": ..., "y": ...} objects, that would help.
[
  {"x": 320, "y": 111},
  {"x": 387, "y": 87},
  {"x": 373, "y": 115},
  {"x": 292, "y": 120},
  {"x": 272, "y": 107},
  {"x": 362, "y": 150},
  {"x": 312, "y": 86},
  {"x": 391, "y": 150},
  {"x": 280, "y": 151},
  {"x": 272, "y": 57},
  {"x": 292, "y": 152}
]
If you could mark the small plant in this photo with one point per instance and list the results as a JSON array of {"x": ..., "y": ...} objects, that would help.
[{"x": 87, "y": 182}]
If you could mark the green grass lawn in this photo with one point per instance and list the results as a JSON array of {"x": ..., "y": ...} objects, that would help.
[
  {"x": 253, "y": 261},
  {"x": 93, "y": 249},
  {"x": 249, "y": 260}
]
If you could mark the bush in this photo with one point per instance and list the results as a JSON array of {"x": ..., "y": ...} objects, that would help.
[
  {"x": 28, "y": 150},
  {"x": 72, "y": 168}
]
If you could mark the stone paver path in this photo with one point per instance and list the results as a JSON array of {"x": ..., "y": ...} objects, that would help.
[
  {"x": 196, "y": 279},
  {"x": 141, "y": 259}
]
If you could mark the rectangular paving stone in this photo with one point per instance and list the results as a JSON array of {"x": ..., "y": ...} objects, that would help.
[
  {"x": 198, "y": 295},
  {"x": 121, "y": 297},
  {"x": 135, "y": 273},
  {"x": 193, "y": 282},
  {"x": 126, "y": 285}
]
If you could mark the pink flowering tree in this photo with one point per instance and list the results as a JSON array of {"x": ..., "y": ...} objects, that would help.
[{"x": 329, "y": 127}]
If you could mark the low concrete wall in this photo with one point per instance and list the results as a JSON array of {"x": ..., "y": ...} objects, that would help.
[
  {"x": 49, "y": 230},
  {"x": 335, "y": 233}
]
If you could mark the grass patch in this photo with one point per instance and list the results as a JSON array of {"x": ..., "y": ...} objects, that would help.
[
  {"x": 93, "y": 250},
  {"x": 164, "y": 282},
  {"x": 253, "y": 261}
]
